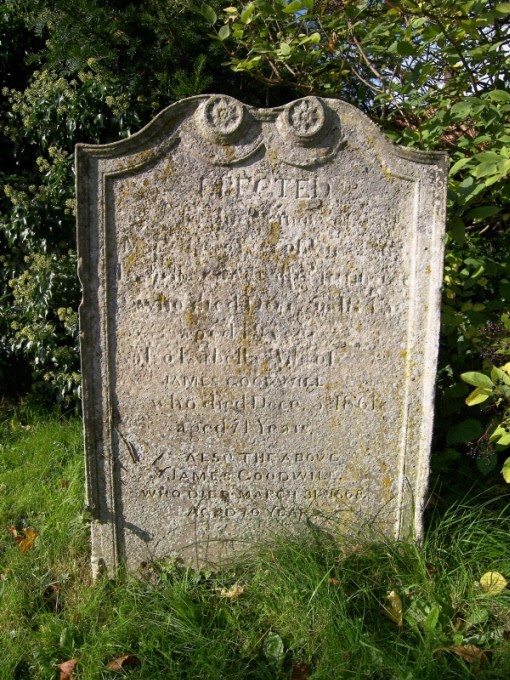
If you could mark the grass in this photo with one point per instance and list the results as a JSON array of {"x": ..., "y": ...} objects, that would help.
[{"x": 297, "y": 610}]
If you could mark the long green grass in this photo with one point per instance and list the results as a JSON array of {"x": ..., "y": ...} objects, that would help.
[{"x": 296, "y": 609}]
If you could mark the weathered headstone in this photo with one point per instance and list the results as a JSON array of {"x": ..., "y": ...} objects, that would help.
[{"x": 259, "y": 327}]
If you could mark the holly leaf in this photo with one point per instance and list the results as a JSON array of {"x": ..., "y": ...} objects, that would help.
[{"x": 493, "y": 583}]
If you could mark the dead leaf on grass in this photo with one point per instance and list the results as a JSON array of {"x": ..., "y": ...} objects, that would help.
[
  {"x": 493, "y": 583},
  {"x": 395, "y": 610},
  {"x": 470, "y": 653},
  {"x": 334, "y": 581},
  {"x": 25, "y": 542},
  {"x": 66, "y": 669},
  {"x": 233, "y": 592},
  {"x": 125, "y": 661},
  {"x": 299, "y": 671}
]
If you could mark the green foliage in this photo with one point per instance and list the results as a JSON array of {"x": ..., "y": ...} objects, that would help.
[
  {"x": 306, "y": 607},
  {"x": 73, "y": 72},
  {"x": 495, "y": 390},
  {"x": 433, "y": 75}
]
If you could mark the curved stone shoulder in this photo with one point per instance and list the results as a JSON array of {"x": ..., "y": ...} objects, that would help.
[{"x": 220, "y": 130}]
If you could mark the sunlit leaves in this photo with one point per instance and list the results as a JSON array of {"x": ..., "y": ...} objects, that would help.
[
  {"x": 477, "y": 379},
  {"x": 478, "y": 396}
]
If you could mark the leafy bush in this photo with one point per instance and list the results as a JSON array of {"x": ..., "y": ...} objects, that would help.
[
  {"x": 73, "y": 72},
  {"x": 433, "y": 76}
]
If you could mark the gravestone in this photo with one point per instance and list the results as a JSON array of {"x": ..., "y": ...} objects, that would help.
[{"x": 259, "y": 328}]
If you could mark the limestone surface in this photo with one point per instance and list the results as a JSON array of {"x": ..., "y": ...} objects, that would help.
[{"x": 259, "y": 328}]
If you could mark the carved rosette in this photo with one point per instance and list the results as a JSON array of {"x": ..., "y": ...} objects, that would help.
[
  {"x": 304, "y": 121},
  {"x": 220, "y": 119},
  {"x": 303, "y": 133}
]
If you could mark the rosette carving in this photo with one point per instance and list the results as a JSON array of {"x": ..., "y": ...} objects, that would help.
[{"x": 221, "y": 118}]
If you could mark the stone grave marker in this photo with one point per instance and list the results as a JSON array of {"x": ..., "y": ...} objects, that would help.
[{"x": 259, "y": 327}]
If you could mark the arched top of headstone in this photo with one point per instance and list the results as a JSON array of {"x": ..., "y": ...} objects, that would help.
[{"x": 220, "y": 130}]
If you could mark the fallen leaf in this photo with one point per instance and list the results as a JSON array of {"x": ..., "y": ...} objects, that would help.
[
  {"x": 27, "y": 543},
  {"x": 492, "y": 583},
  {"x": 470, "y": 653},
  {"x": 299, "y": 671},
  {"x": 126, "y": 661},
  {"x": 235, "y": 591},
  {"x": 334, "y": 581},
  {"x": 394, "y": 611},
  {"x": 66, "y": 669}
]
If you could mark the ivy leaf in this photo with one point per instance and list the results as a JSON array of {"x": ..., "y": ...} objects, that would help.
[{"x": 493, "y": 583}]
